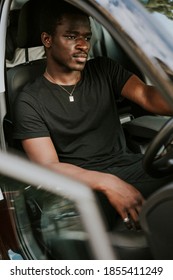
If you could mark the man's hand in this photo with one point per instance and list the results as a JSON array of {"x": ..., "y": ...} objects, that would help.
[{"x": 126, "y": 199}]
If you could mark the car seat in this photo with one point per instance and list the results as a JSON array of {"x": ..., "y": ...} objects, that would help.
[
  {"x": 14, "y": 54},
  {"x": 157, "y": 222},
  {"x": 11, "y": 43},
  {"x": 130, "y": 245}
]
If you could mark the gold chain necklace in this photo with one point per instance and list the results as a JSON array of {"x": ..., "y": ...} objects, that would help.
[{"x": 71, "y": 97}]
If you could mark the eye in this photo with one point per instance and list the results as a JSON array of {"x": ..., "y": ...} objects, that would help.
[
  {"x": 88, "y": 38},
  {"x": 70, "y": 37}
]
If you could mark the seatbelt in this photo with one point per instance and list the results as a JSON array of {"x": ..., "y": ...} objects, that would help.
[
  {"x": 2, "y": 140},
  {"x": 2, "y": 115},
  {"x": 26, "y": 55},
  {"x": 2, "y": 137}
]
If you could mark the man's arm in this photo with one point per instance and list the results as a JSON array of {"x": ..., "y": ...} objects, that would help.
[
  {"x": 146, "y": 96},
  {"x": 123, "y": 196}
]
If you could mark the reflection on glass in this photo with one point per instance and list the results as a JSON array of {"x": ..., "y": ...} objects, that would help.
[
  {"x": 57, "y": 222},
  {"x": 45, "y": 226}
]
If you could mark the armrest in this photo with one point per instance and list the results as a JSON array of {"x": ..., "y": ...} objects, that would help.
[{"x": 145, "y": 126}]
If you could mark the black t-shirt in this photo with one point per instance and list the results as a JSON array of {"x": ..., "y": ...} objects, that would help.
[{"x": 86, "y": 132}]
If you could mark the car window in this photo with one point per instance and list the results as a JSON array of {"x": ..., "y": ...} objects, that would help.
[
  {"x": 45, "y": 226},
  {"x": 161, "y": 10}
]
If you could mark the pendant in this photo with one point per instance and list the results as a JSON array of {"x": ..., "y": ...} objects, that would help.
[{"x": 71, "y": 98}]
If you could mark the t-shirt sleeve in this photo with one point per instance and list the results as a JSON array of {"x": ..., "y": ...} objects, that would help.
[
  {"x": 27, "y": 120},
  {"x": 117, "y": 75},
  {"x": 122, "y": 77}
]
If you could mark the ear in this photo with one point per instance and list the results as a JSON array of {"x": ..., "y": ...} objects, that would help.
[{"x": 46, "y": 39}]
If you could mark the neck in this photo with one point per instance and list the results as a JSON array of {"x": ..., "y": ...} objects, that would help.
[{"x": 63, "y": 79}]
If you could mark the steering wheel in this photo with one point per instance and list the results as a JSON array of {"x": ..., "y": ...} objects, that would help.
[{"x": 160, "y": 165}]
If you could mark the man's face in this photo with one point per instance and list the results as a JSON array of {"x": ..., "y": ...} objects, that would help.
[{"x": 71, "y": 43}]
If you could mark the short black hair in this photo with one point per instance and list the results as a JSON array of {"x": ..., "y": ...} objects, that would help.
[{"x": 52, "y": 12}]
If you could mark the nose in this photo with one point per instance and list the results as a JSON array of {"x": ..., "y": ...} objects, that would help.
[{"x": 82, "y": 43}]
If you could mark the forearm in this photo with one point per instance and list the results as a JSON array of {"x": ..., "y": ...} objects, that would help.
[
  {"x": 34, "y": 147},
  {"x": 94, "y": 179},
  {"x": 147, "y": 96},
  {"x": 155, "y": 103}
]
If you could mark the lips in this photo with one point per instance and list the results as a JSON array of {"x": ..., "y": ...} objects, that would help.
[
  {"x": 84, "y": 55},
  {"x": 81, "y": 57}
]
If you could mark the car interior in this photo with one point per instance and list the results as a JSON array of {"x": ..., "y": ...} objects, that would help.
[{"x": 139, "y": 127}]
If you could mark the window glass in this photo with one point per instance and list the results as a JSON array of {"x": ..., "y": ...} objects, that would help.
[
  {"x": 46, "y": 226},
  {"x": 162, "y": 10}
]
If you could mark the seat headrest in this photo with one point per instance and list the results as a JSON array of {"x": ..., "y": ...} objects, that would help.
[
  {"x": 28, "y": 34},
  {"x": 11, "y": 43}
]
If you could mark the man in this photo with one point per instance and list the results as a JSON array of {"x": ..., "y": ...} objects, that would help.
[{"x": 67, "y": 119}]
